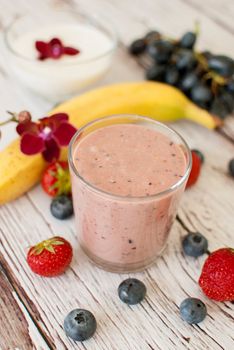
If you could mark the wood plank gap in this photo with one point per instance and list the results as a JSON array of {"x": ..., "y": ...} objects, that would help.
[
  {"x": 222, "y": 133},
  {"x": 203, "y": 331},
  {"x": 180, "y": 221}
]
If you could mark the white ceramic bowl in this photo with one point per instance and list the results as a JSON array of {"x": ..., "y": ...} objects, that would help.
[{"x": 58, "y": 79}]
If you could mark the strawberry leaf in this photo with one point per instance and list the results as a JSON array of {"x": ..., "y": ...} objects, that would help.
[
  {"x": 37, "y": 250},
  {"x": 58, "y": 243},
  {"x": 50, "y": 249}
]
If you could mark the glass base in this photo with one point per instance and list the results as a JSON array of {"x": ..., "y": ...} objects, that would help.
[{"x": 118, "y": 267}]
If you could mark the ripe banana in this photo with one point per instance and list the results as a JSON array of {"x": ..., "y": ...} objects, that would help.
[{"x": 18, "y": 172}]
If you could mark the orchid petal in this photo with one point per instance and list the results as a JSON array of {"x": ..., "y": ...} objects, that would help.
[
  {"x": 59, "y": 118},
  {"x": 55, "y": 41},
  {"x": 53, "y": 121},
  {"x": 27, "y": 127},
  {"x": 64, "y": 133},
  {"x": 71, "y": 51},
  {"x": 42, "y": 47},
  {"x": 31, "y": 144},
  {"x": 52, "y": 150}
]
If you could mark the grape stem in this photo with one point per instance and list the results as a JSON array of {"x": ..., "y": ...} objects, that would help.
[{"x": 197, "y": 28}]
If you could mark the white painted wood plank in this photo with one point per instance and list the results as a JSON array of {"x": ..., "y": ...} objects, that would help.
[
  {"x": 156, "y": 321},
  {"x": 208, "y": 207}
]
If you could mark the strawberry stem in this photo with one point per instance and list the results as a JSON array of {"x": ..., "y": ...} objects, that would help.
[{"x": 46, "y": 245}]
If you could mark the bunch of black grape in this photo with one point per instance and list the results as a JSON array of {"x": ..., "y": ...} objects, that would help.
[{"x": 207, "y": 79}]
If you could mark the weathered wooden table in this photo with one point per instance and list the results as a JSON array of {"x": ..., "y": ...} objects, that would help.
[{"x": 32, "y": 309}]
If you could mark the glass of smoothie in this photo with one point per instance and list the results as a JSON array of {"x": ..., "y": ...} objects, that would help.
[{"x": 128, "y": 174}]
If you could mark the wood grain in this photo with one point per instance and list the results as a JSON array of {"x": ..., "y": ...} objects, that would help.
[
  {"x": 41, "y": 304},
  {"x": 17, "y": 329}
]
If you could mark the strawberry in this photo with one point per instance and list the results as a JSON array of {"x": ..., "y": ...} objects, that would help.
[
  {"x": 217, "y": 277},
  {"x": 195, "y": 171},
  {"x": 56, "y": 179},
  {"x": 51, "y": 257}
]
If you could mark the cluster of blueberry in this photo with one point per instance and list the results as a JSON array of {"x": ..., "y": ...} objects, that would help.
[{"x": 207, "y": 79}]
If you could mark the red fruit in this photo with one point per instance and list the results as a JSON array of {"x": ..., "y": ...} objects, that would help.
[
  {"x": 51, "y": 257},
  {"x": 195, "y": 171},
  {"x": 217, "y": 277},
  {"x": 56, "y": 179}
]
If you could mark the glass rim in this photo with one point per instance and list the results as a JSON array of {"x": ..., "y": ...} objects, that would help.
[
  {"x": 172, "y": 188},
  {"x": 94, "y": 19}
]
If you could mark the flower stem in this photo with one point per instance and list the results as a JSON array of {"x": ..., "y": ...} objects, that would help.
[
  {"x": 12, "y": 119},
  {"x": 7, "y": 121}
]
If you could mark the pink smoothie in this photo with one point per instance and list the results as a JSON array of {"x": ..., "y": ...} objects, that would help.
[{"x": 123, "y": 226}]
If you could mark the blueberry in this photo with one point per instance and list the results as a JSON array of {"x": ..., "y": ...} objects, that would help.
[
  {"x": 132, "y": 291},
  {"x": 137, "y": 47},
  {"x": 200, "y": 154},
  {"x": 161, "y": 51},
  {"x": 219, "y": 108},
  {"x": 228, "y": 100},
  {"x": 156, "y": 73},
  {"x": 185, "y": 60},
  {"x": 188, "y": 81},
  {"x": 231, "y": 167},
  {"x": 61, "y": 207},
  {"x": 151, "y": 36},
  {"x": 206, "y": 54},
  {"x": 230, "y": 86},
  {"x": 201, "y": 94},
  {"x": 188, "y": 40},
  {"x": 171, "y": 76},
  {"x": 80, "y": 324},
  {"x": 194, "y": 244},
  {"x": 193, "y": 310},
  {"x": 222, "y": 65}
]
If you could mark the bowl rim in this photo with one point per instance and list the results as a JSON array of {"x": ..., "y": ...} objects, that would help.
[
  {"x": 94, "y": 20},
  {"x": 148, "y": 120}
]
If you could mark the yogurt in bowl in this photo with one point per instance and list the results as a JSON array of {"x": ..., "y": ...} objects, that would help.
[{"x": 57, "y": 79}]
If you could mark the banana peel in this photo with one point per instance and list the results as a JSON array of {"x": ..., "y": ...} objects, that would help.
[{"x": 19, "y": 172}]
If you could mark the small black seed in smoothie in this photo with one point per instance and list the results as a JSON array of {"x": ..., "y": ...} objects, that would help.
[
  {"x": 150, "y": 183},
  {"x": 133, "y": 248},
  {"x": 171, "y": 143},
  {"x": 130, "y": 241},
  {"x": 173, "y": 155}
]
